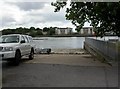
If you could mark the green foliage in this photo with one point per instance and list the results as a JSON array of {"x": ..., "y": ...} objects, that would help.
[
  {"x": 32, "y": 31},
  {"x": 38, "y": 33},
  {"x": 103, "y": 16},
  {"x": 8, "y": 31},
  {"x": 45, "y": 29},
  {"x": 38, "y": 29},
  {"x": 51, "y": 31},
  {"x": 32, "y": 28},
  {"x": 59, "y": 4}
]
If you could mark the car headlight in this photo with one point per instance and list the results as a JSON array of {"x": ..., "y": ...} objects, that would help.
[{"x": 8, "y": 48}]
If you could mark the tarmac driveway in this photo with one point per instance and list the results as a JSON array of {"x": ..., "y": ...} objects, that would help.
[{"x": 60, "y": 71}]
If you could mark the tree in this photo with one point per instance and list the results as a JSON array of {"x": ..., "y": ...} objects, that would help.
[
  {"x": 45, "y": 29},
  {"x": 38, "y": 29},
  {"x": 8, "y": 31},
  {"x": 103, "y": 16},
  {"x": 51, "y": 31},
  {"x": 32, "y": 33},
  {"x": 39, "y": 32},
  {"x": 19, "y": 30},
  {"x": 32, "y": 28}
]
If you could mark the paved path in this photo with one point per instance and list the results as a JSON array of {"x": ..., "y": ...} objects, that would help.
[
  {"x": 67, "y": 59},
  {"x": 60, "y": 71}
]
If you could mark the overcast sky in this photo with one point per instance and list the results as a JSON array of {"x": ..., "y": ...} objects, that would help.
[{"x": 15, "y": 13}]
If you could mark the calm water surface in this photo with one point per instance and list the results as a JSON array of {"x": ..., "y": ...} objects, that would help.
[
  {"x": 60, "y": 42},
  {"x": 65, "y": 42}
]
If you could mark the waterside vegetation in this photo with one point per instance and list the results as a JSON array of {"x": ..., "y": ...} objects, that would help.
[{"x": 32, "y": 31}]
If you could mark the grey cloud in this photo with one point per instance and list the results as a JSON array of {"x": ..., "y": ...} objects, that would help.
[
  {"x": 55, "y": 17},
  {"x": 26, "y": 6},
  {"x": 7, "y": 20},
  {"x": 34, "y": 17},
  {"x": 49, "y": 17}
]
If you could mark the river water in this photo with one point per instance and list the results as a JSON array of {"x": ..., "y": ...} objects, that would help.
[
  {"x": 60, "y": 42},
  {"x": 63, "y": 42}
]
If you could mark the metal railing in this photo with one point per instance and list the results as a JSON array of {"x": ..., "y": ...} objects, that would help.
[{"x": 111, "y": 50}]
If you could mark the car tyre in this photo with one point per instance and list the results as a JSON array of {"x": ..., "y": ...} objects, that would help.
[
  {"x": 31, "y": 56},
  {"x": 17, "y": 58},
  {"x": 48, "y": 52}
]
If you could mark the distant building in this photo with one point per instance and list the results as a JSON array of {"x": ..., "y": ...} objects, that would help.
[
  {"x": 86, "y": 31},
  {"x": 0, "y": 33},
  {"x": 63, "y": 31}
]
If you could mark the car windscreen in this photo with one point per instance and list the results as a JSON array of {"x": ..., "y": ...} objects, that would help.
[{"x": 9, "y": 39}]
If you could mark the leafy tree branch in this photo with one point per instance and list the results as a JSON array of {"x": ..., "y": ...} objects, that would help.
[{"x": 103, "y": 16}]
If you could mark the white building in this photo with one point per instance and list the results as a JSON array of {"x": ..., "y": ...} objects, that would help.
[
  {"x": 86, "y": 31},
  {"x": 63, "y": 31}
]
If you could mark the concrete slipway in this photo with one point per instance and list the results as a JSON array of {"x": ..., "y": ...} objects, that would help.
[{"x": 60, "y": 70}]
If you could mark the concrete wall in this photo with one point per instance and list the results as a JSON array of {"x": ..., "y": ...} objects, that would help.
[{"x": 108, "y": 50}]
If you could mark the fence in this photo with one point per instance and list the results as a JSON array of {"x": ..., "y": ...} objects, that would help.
[{"x": 109, "y": 50}]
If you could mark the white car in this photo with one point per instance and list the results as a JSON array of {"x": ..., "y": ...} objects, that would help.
[{"x": 15, "y": 46}]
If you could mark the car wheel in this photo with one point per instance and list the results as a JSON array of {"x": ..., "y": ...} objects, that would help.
[
  {"x": 31, "y": 56},
  {"x": 48, "y": 52},
  {"x": 17, "y": 58}
]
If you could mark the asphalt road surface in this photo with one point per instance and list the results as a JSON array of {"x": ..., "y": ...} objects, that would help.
[{"x": 60, "y": 71}]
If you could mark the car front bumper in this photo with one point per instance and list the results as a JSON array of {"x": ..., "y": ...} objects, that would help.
[{"x": 7, "y": 55}]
